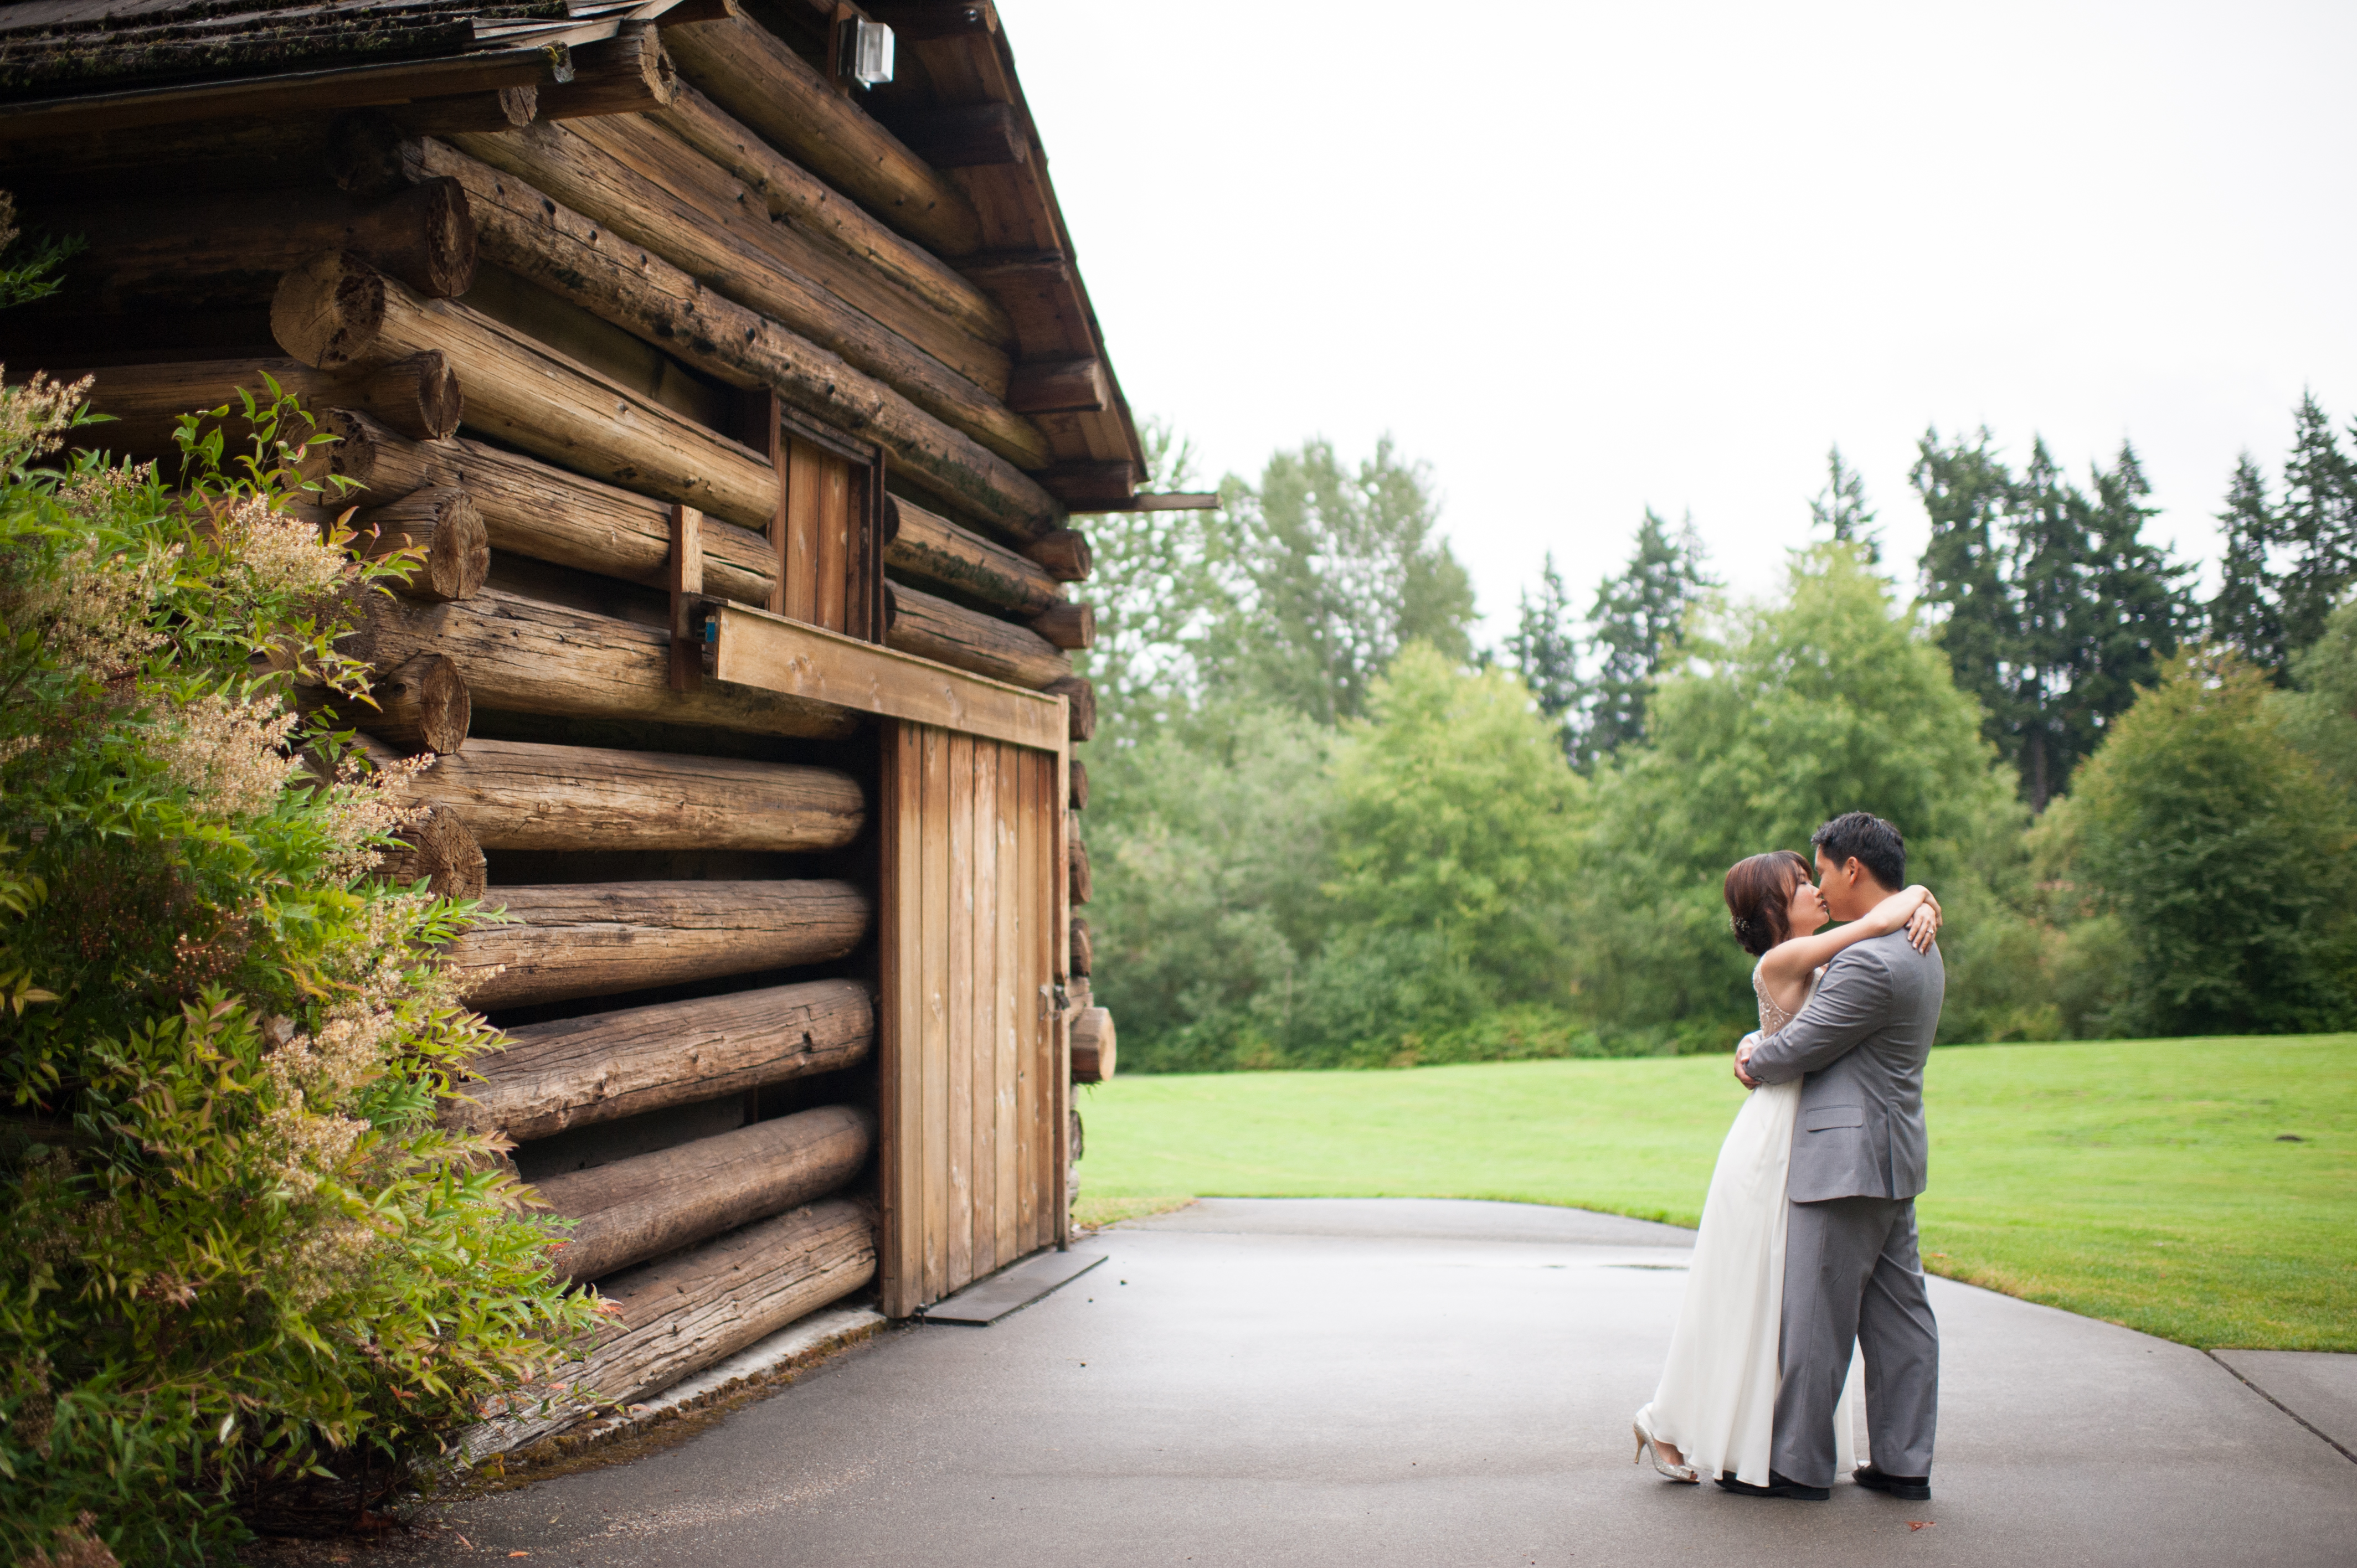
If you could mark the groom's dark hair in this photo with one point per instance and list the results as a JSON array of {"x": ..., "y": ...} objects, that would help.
[{"x": 1871, "y": 841}]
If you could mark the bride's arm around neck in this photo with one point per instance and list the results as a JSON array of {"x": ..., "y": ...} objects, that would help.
[{"x": 1788, "y": 964}]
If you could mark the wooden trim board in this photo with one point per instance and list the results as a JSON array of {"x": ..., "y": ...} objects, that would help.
[{"x": 773, "y": 653}]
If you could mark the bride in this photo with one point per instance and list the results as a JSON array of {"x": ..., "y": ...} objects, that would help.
[{"x": 1715, "y": 1409}]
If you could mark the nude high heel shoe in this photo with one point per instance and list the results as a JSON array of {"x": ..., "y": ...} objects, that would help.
[{"x": 1649, "y": 1443}]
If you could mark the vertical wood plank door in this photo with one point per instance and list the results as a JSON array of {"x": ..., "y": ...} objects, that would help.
[{"x": 970, "y": 1050}]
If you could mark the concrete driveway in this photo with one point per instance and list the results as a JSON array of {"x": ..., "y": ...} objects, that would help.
[{"x": 1349, "y": 1382}]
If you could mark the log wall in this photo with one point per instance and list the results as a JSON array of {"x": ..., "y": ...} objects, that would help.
[{"x": 734, "y": 426}]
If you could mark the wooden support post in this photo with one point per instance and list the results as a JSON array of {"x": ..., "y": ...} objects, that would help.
[{"x": 686, "y": 595}]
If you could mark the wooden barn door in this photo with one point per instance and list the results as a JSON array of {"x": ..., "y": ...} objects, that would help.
[{"x": 973, "y": 1083}]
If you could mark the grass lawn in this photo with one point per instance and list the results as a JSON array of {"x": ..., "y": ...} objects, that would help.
[{"x": 2139, "y": 1181}]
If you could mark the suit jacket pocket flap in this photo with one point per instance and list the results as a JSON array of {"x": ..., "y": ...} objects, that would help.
[{"x": 1826, "y": 1117}]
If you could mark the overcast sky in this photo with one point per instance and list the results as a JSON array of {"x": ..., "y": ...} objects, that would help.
[{"x": 1585, "y": 257}]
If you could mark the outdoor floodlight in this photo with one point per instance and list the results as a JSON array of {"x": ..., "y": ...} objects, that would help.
[{"x": 867, "y": 51}]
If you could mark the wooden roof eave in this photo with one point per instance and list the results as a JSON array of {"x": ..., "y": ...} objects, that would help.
[
  {"x": 542, "y": 60},
  {"x": 1023, "y": 220}
]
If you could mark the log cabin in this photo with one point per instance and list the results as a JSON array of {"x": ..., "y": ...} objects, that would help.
[{"x": 729, "y": 362}]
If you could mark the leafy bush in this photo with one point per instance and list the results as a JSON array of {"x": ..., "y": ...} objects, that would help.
[
  {"x": 235, "y": 1252},
  {"x": 2226, "y": 854}
]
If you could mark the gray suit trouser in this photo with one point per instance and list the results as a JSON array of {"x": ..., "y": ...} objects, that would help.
[{"x": 1852, "y": 1276}]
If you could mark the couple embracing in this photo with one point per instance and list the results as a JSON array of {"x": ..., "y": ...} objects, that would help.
[{"x": 1807, "y": 1246}]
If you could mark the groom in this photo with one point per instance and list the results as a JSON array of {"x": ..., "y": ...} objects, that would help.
[{"x": 1851, "y": 1273}]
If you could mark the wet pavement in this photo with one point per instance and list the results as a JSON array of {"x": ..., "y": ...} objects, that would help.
[{"x": 1410, "y": 1381}]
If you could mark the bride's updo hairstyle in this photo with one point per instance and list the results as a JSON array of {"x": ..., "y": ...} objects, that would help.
[{"x": 1758, "y": 891}]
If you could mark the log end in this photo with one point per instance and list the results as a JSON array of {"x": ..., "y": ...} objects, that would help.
[
  {"x": 1064, "y": 552},
  {"x": 1082, "y": 694},
  {"x": 423, "y": 705},
  {"x": 418, "y": 397},
  {"x": 1092, "y": 1046},
  {"x": 447, "y": 266},
  {"x": 329, "y": 311},
  {"x": 1068, "y": 626},
  {"x": 438, "y": 848}
]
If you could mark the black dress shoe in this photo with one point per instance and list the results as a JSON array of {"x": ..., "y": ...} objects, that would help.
[
  {"x": 1915, "y": 1489},
  {"x": 1779, "y": 1487}
]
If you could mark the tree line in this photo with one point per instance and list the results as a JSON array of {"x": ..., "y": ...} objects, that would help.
[{"x": 1334, "y": 830}]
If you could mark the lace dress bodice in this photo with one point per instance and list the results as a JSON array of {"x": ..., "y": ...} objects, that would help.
[{"x": 1773, "y": 1018}]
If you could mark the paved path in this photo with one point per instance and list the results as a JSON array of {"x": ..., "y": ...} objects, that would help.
[{"x": 1362, "y": 1383}]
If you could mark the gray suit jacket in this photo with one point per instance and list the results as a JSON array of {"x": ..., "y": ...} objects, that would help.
[{"x": 1858, "y": 1049}]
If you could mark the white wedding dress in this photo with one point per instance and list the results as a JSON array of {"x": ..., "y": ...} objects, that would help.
[{"x": 1718, "y": 1396}]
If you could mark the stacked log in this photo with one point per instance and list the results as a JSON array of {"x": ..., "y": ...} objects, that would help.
[
  {"x": 579, "y": 1071},
  {"x": 576, "y": 940},
  {"x": 680, "y": 1314},
  {"x": 634, "y": 1209},
  {"x": 521, "y": 795}
]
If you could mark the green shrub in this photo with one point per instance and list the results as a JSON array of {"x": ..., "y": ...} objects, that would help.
[
  {"x": 235, "y": 1252},
  {"x": 2226, "y": 854}
]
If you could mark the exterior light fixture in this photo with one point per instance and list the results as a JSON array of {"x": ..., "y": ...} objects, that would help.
[{"x": 865, "y": 51}]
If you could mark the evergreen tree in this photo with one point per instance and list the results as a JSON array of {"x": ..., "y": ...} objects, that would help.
[
  {"x": 1546, "y": 649},
  {"x": 1967, "y": 492},
  {"x": 2045, "y": 566},
  {"x": 1633, "y": 629},
  {"x": 2244, "y": 614},
  {"x": 2316, "y": 528},
  {"x": 2141, "y": 603},
  {"x": 1840, "y": 508},
  {"x": 2056, "y": 606}
]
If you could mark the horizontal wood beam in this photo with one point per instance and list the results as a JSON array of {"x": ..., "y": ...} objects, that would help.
[
  {"x": 751, "y": 72},
  {"x": 596, "y": 939},
  {"x": 168, "y": 251},
  {"x": 143, "y": 403},
  {"x": 525, "y": 796},
  {"x": 576, "y": 1072},
  {"x": 1170, "y": 500},
  {"x": 679, "y": 1315},
  {"x": 971, "y": 338},
  {"x": 521, "y": 656},
  {"x": 657, "y": 191},
  {"x": 641, "y": 1208},
  {"x": 966, "y": 136},
  {"x": 338, "y": 314},
  {"x": 755, "y": 649},
  {"x": 629, "y": 73},
  {"x": 549, "y": 244},
  {"x": 345, "y": 87},
  {"x": 1093, "y": 485},
  {"x": 925, "y": 545},
  {"x": 917, "y": 622},
  {"x": 793, "y": 195},
  {"x": 534, "y": 509},
  {"x": 1060, "y": 386}
]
